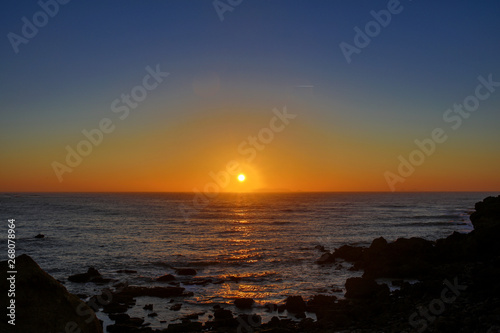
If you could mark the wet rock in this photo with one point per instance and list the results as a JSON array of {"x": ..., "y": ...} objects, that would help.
[
  {"x": 320, "y": 248},
  {"x": 325, "y": 258},
  {"x": 295, "y": 304},
  {"x": 92, "y": 274},
  {"x": 119, "y": 318},
  {"x": 243, "y": 303},
  {"x": 43, "y": 304},
  {"x": 221, "y": 314},
  {"x": 186, "y": 271},
  {"x": 349, "y": 253},
  {"x": 176, "y": 307},
  {"x": 154, "y": 314},
  {"x": 114, "y": 308},
  {"x": 40, "y": 236},
  {"x": 320, "y": 301},
  {"x": 166, "y": 278},
  {"x": 192, "y": 316},
  {"x": 148, "y": 307},
  {"x": 184, "y": 327},
  {"x": 365, "y": 288},
  {"x": 127, "y": 271}
]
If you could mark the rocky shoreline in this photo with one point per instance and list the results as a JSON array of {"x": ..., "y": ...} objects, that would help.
[{"x": 450, "y": 285}]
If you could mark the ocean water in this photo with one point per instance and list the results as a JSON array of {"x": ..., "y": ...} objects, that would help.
[{"x": 250, "y": 245}]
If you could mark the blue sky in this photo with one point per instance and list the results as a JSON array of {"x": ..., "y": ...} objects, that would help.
[{"x": 426, "y": 59}]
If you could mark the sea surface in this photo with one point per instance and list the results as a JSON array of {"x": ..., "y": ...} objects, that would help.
[{"x": 249, "y": 245}]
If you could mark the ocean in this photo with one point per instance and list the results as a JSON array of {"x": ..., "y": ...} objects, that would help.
[{"x": 260, "y": 246}]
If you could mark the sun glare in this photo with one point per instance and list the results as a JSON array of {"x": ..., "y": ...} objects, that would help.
[{"x": 241, "y": 177}]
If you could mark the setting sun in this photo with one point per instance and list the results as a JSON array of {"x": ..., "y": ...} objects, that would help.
[{"x": 241, "y": 177}]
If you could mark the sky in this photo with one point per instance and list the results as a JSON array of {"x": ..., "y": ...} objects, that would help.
[{"x": 182, "y": 96}]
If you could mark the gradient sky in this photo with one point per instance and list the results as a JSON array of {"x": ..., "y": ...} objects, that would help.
[{"x": 225, "y": 78}]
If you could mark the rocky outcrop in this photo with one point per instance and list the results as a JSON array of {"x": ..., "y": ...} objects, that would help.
[{"x": 43, "y": 305}]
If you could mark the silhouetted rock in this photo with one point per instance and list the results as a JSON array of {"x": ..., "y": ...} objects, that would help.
[
  {"x": 349, "y": 253},
  {"x": 365, "y": 288},
  {"x": 91, "y": 275},
  {"x": 185, "y": 327},
  {"x": 243, "y": 303},
  {"x": 40, "y": 236},
  {"x": 166, "y": 278},
  {"x": 42, "y": 304},
  {"x": 295, "y": 304}
]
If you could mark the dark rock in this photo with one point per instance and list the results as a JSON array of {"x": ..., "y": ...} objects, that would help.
[
  {"x": 300, "y": 315},
  {"x": 119, "y": 318},
  {"x": 318, "y": 302},
  {"x": 243, "y": 303},
  {"x": 40, "y": 236},
  {"x": 114, "y": 308},
  {"x": 365, "y": 288},
  {"x": 185, "y": 327},
  {"x": 222, "y": 314},
  {"x": 192, "y": 316},
  {"x": 154, "y": 314},
  {"x": 325, "y": 258},
  {"x": 186, "y": 271},
  {"x": 166, "y": 278},
  {"x": 42, "y": 304},
  {"x": 295, "y": 304},
  {"x": 127, "y": 271},
  {"x": 349, "y": 253},
  {"x": 320, "y": 248},
  {"x": 92, "y": 274},
  {"x": 176, "y": 307},
  {"x": 148, "y": 307}
]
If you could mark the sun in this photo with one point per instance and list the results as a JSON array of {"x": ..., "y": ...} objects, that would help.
[{"x": 241, "y": 177}]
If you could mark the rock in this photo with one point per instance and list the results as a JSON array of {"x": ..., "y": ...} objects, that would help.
[
  {"x": 325, "y": 258},
  {"x": 487, "y": 213},
  {"x": 127, "y": 271},
  {"x": 185, "y": 327},
  {"x": 115, "y": 308},
  {"x": 148, "y": 307},
  {"x": 44, "y": 305},
  {"x": 318, "y": 302},
  {"x": 222, "y": 314},
  {"x": 166, "y": 278},
  {"x": 243, "y": 303},
  {"x": 349, "y": 253},
  {"x": 295, "y": 304},
  {"x": 92, "y": 274},
  {"x": 186, "y": 271},
  {"x": 320, "y": 248},
  {"x": 119, "y": 318},
  {"x": 176, "y": 307},
  {"x": 365, "y": 288},
  {"x": 154, "y": 314},
  {"x": 40, "y": 236}
]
